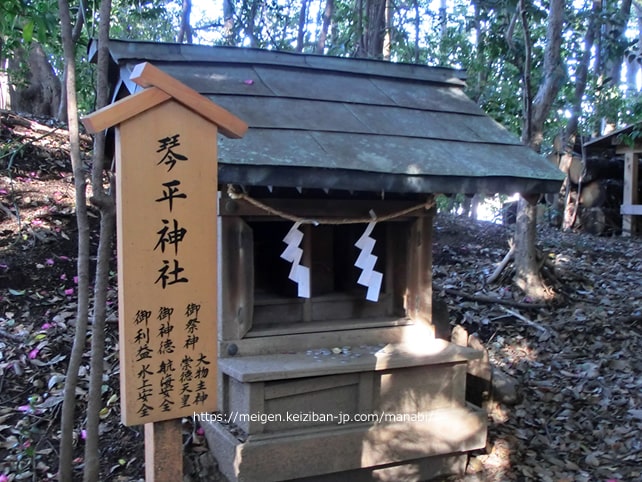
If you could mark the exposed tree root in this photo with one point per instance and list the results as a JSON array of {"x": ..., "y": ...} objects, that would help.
[
  {"x": 546, "y": 270},
  {"x": 501, "y": 266}
]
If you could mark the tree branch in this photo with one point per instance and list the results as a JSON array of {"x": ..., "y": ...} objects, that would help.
[
  {"x": 553, "y": 72},
  {"x": 502, "y": 265},
  {"x": 525, "y": 320},
  {"x": 492, "y": 299}
]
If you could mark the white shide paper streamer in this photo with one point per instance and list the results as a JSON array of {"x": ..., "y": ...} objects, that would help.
[
  {"x": 292, "y": 253},
  {"x": 369, "y": 278}
]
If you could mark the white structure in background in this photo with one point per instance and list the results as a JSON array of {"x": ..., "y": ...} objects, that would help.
[{"x": 5, "y": 101}]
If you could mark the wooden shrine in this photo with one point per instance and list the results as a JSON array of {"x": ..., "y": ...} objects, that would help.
[
  {"x": 329, "y": 367},
  {"x": 301, "y": 371},
  {"x": 623, "y": 142}
]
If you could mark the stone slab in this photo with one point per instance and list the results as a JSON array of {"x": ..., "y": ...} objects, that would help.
[{"x": 319, "y": 362}]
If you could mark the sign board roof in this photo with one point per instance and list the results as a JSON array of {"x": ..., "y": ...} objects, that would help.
[{"x": 343, "y": 123}]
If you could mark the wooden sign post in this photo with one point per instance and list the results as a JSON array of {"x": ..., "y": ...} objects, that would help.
[
  {"x": 630, "y": 206},
  {"x": 166, "y": 183}
]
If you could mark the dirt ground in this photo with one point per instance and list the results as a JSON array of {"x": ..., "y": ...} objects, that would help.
[{"x": 577, "y": 362}]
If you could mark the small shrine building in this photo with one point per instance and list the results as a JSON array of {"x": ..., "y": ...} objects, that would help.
[{"x": 328, "y": 363}]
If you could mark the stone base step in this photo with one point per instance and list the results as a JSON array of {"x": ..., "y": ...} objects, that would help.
[{"x": 429, "y": 443}]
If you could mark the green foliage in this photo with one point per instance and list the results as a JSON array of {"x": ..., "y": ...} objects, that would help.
[
  {"x": 633, "y": 136},
  {"x": 449, "y": 204},
  {"x": 23, "y": 21},
  {"x": 345, "y": 37},
  {"x": 144, "y": 20}
]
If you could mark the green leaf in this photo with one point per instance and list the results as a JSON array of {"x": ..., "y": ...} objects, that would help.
[{"x": 27, "y": 31}]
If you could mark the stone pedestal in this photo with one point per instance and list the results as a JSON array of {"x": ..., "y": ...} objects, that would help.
[{"x": 373, "y": 412}]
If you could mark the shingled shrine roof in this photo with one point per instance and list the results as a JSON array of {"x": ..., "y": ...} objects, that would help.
[
  {"x": 616, "y": 138},
  {"x": 344, "y": 123}
]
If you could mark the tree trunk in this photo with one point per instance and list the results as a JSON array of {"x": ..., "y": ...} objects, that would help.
[
  {"x": 527, "y": 276},
  {"x": 634, "y": 56},
  {"x": 387, "y": 38},
  {"x": 480, "y": 46},
  {"x": 618, "y": 37},
  {"x": 527, "y": 93},
  {"x": 250, "y": 24},
  {"x": 82, "y": 314},
  {"x": 609, "y": 63},
  {"x": 185, "y": 32},
  {"x": 228, "y": 22},
  {"x": 361, "y": 46},
  {"x": 443, "y": 31},
  {"x": 581, "y": 77},
  {"x": 105, "y": 250},
  {"x": 327, "y": 19},
  {"x": 106, "y": 204},
  {"x": 372, "y": 30},
  {"x": 478, "y": 199},
  {"x": 418, "y": 20},
  {"x": 303, "y": 18},
  {"x": 75, "y": 35},
  {"x": 39, "y": 92},
  {"x": 553, "y": 73}
]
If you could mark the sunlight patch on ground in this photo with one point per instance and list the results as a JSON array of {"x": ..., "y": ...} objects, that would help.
[{"x": 497, "y": 461}]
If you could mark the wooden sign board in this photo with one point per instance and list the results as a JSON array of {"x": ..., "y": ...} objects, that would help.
[
  {"x": 166, "y": 183},
  {"x": 167, "y": 197}
]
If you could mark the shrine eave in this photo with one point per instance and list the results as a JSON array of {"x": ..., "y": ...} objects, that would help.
[
  {"x": 311, "y": 178},
  {"x": 330, "y": 122}
]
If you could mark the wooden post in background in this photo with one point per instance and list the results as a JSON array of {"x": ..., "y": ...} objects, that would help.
[{"x": 630, "y": 192}]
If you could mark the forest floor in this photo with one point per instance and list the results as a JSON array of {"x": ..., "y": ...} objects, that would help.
[{"x": 577, "y": 362}]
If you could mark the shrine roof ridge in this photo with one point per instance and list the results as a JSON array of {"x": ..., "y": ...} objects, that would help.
[{"x": 158, "y": 53}]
